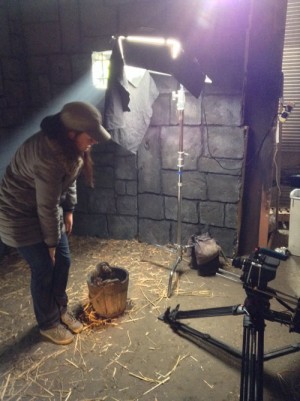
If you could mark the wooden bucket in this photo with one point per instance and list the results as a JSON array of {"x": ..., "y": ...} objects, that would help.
[{"x": 109, "y": 297}]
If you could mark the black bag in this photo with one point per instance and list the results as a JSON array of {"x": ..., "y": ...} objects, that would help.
[{"x": 204, "y": 254}]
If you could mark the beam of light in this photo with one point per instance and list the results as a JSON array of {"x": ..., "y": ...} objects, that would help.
[{"x": 83, "y": 90}]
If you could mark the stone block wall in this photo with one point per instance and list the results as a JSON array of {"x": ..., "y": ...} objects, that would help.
[
  {"x": 109, "y": 210},
  {"x": 14, "y": 91},
  {"x": 214, "y": 143},
  {"x": 136, "y": 196}
]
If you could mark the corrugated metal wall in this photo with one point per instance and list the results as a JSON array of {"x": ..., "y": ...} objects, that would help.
[
  {"x": 291, "y": 71},
  {"x": 290, "y": 129}
]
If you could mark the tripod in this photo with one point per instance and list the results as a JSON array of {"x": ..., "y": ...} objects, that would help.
[{"x": 256, "y": 309}]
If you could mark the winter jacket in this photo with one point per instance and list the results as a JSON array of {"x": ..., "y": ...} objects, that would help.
[{"x": 38, "y": 186}]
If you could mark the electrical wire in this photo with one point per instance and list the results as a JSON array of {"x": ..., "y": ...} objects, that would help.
[
  {"x": 205, "y": 125},
  {"x": 254, "y": 158},
  {"x": 276, "y": 170},
  {"x": 256, "y": 154}
]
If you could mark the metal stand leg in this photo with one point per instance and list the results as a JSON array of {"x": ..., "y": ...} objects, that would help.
[
  {"x": 172, "y": 272},
  {"x": 251, "y": 388},
  {"x": 180, "y": 107}
]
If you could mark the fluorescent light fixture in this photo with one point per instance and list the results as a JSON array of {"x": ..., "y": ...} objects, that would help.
[
  {"x": 163, "y": 56},
  {"x": 155, "y": 54},
  {"x": 173, "y": 44}
]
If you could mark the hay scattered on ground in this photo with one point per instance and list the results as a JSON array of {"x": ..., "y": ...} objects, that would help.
[{"x": 38, "y": 376}]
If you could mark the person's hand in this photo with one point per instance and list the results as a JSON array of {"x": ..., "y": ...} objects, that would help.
[
  {"x": 52, "y": 254},
  {"x": 68, "y": 222}
]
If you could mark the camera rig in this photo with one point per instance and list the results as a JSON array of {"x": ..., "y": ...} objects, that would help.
[{"x": 257, "y": 270}]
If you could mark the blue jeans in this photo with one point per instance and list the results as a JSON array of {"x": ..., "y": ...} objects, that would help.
[{"x": 48, "y": 282}]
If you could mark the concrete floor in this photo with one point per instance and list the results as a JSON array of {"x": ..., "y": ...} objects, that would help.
[{"x": 137, "y": 356}]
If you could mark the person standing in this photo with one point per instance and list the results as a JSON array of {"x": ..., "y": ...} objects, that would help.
[{"x": 37, "y": 200}]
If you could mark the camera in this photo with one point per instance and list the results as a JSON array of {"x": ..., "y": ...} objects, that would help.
[{"x": 259, "y": 268}]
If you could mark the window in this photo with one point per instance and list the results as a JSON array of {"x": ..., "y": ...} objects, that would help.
[{"x": 100, "y": 68}]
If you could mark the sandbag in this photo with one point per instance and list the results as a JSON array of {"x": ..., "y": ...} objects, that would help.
[{"x": 205, "y": 254}]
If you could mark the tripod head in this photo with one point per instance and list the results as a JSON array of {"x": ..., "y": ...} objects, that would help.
[{"x": 257, "y": 270}]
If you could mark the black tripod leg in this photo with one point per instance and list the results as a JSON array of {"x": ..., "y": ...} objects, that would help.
[
  {"x": 245, "y": 360},
  {"x": 260, "y": 364},
  {"x": 251, "y": 388},
  {"x": 253, "y": 365}
]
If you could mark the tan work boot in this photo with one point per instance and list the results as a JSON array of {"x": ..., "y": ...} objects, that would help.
[
  {"x": 58, "y": 335},
  {"x": 71, "y": 322}
]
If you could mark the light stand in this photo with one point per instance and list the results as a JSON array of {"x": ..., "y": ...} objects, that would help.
[
  {"x": 180, "y": 96},
  {"x": 164, "y": 56}
]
